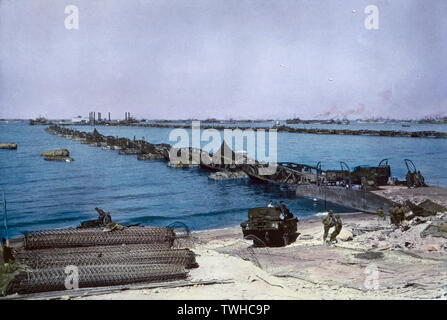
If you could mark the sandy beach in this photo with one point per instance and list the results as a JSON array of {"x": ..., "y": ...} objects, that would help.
[
  {"x": 309, "y": 269},
  {"x": 200, "y": 150},
  {"x": 372, "y": 259}
]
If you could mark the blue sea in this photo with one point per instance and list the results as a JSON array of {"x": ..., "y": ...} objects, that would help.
[{"x": 43, "y": 195}]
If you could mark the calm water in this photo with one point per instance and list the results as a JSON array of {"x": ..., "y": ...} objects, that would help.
[
  {"x": 44, "y": 195},
  {"x": 353, "y": 125}
]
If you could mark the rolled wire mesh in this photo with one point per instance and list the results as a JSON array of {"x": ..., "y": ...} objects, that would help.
[
  {"x": 183, "y": 236},
  {"x": 54, "y": 279},
  {"x": 118, "y": 257},
  {"x": 21, "y": 252},
  {"x": 181, "y": 230},
  {"x": 121, "y": 256},
  {"x": 86, "y": 237}
]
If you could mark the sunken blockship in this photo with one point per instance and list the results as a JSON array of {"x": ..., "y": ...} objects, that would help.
[
  {"x": 284, "y": 128},
  {"x": 351, "y": 188},
  {"x": 144, "y": 149}
]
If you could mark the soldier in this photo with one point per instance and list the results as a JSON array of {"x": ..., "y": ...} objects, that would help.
[
  {"x": 102, "y": 215},
  {"x": 416, "y": 179},
  {"x": 421, "y": 178},
  {"x": 363, "y": 183},
  {"x": 328, "y": 222},
  {"x": 288, "y": 215},
  {"x": 284, "y": 210},
  {"x": 381, "y": 214},
  {"x": 393, "y": 212},
  {"x": 400, "y": 215},
  {"x": 107, "y": 219},
  {"x": 338, "y": 226},
  {"x": 397, "y": 215},
  {"x": 8, "y": 257}
]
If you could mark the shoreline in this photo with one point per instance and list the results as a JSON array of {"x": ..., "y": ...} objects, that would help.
[
  {"x": 307, "y": 219},
  {"x": 230, "y": 268},
  {"x": 408, "y": 265},
  {"x": 307, "y": 269}
]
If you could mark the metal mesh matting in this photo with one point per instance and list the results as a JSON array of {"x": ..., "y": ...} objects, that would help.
[
  {"x": 94, "y": 250},
  {"x": 259, "y": 255},
  {"x": 65, "y": 238},
  {"x": 123, "y": 255},
  {"x": 54, "y": 279}
]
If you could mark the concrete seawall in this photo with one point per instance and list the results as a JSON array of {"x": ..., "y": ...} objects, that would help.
[{"x": 357, "y": 199}]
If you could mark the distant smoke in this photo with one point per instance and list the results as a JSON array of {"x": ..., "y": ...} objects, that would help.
[{"x": 335, "y": 113}]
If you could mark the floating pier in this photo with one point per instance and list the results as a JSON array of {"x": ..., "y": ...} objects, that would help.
[{"x": 311, "y": 182}]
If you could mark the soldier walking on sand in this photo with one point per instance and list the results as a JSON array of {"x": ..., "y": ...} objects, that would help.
[
  {"x": 381, "y": 214},
  {"x": 338, "y": 226},
  {"x": 401, "y": 215},
  {"x": 328, "y": 222},
  {"x": 397, "y": 215},
  {"x": 393, "y": 215}
]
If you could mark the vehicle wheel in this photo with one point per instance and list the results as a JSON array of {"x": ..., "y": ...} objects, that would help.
[
  {"x": 286, "y": 239},
  {"x": 267, "y": 238},
  {"x": 257, "y": 242}
]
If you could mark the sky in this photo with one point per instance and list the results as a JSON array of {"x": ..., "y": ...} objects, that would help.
[{"x": 240, "y": 59}]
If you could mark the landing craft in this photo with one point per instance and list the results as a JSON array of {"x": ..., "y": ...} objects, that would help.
[
  {"x": 379, "y": 174},
  {"x": 285, "y": 173},
  {"x": 342, "y": 187},
  {"x": 290, "y": 173}
]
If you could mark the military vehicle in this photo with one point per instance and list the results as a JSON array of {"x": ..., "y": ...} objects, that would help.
[
  {"x": 284, "y": 173},
  {"x": 266, "y": 227},
  {"x": 379, "y": 174},
  {"x": 413, "y": 177},
  {"x": 335, "y": 177},
  {"x": 360, "y": 175}
]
